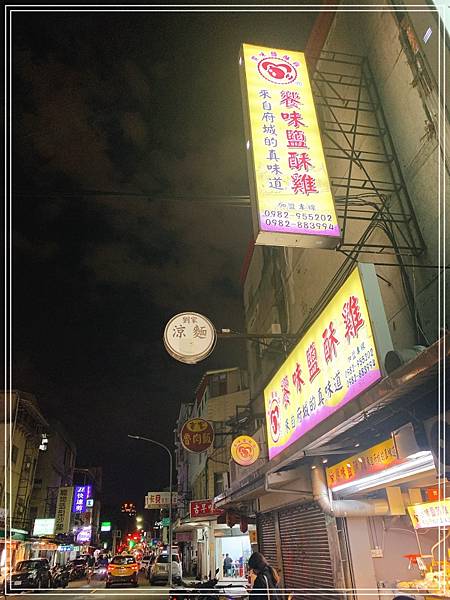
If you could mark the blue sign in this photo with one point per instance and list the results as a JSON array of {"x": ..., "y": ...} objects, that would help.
[{"x": 80, "y": 496}]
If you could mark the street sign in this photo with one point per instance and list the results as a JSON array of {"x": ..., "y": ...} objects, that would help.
[
  {"x": 105, "y": 526},
  {"x": 165, "y": 521}
]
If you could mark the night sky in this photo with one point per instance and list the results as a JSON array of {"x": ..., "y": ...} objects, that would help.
[{"x": 121, "y": 121}]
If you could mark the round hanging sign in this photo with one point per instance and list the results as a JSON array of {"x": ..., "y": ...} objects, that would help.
[
  {"x": 197, "y": 435},
  {"x": 189, "y": 337},
  {"x": 244, "y": 450}
]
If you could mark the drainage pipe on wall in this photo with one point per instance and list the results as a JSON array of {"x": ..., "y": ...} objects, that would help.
[{"x": 343, "y": 508}]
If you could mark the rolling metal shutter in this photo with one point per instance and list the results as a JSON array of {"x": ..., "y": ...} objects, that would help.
[
  {"x": 267, "y": 536},
  {"x": 305, "y": 548}
]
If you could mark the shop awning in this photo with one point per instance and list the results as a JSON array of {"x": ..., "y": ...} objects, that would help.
[{"x": 414, "y": 379}]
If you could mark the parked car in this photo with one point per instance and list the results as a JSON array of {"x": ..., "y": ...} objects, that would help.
[
  {"x": 123, "y": 568},
  {"x": 159, "y": 570},
  {"x": 30, "y": 574}
]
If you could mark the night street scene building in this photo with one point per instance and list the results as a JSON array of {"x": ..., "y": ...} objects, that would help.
[{"x": 228, "y": 287}]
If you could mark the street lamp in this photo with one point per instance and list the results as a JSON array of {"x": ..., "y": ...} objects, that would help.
[{"x": 145, "y": 439}]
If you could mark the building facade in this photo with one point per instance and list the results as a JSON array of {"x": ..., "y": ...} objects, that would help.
[
  {"x": 54, "y": 470},
  {"x": 222, "y": 398},
  {"x": 333, "y": 505}
]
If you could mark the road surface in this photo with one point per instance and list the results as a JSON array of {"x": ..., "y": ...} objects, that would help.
[{"x": 81, "y": 590}]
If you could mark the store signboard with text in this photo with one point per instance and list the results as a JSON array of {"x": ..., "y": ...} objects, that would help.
[
  {"x": 337, "y": 358},
  {"x": 370, "y": 461},
  {"x": 203, "y": 508},
  {"x": 197, "y": 435},
  {"x": 157, "y": 500},
  {"x": 430, "y": 514},
  {"x": 43, "y": 527},
  {"x": 63, "y": 508},
  {"x": 80, "y": 497},
  {"x": 289, "y": 185}
]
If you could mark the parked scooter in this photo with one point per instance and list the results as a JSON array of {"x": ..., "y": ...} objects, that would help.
[
  {"x": 60, "y": 576},
  {"x": 208, "y": 590}
]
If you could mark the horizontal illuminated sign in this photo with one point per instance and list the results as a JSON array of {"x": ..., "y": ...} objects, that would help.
[
  {"x": 430, "y": 514},
  {"x": 44, "y": 527},
  {"x": 105, "y": 526},
  {"x": 289, "y": 186},
  {"x": 375, "y": 459},
  {"x": 335, "y": 360}
]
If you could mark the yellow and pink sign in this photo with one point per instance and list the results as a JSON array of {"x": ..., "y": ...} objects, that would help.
[
  {"x": 370, "y": 461},
  {"x": 289, "y": 184},
  {"x": 335, "y": 360},
  {"x": 430, "y": 514}
]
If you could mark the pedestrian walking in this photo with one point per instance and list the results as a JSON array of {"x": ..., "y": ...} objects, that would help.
[
  {"x": 227, "y": 565},
  {"x": 264, "y": 578}
]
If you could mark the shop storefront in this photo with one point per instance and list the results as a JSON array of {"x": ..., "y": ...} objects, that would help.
[
  {"x": 348, "y": 527},
  {"x": 392, "y": 527},
  {"x": 235, "y": 543},
  {"x": 295, "y": 539}
]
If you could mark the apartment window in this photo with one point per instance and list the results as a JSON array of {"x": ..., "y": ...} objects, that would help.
[
  {"x": 219, "y": 486},
  {"x": 14, "y": 454},
  {"x": 38, "y": 483},
  {"x": 218, "y": 385}
]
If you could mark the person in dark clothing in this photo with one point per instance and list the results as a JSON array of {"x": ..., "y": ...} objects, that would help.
[{"x": 265, "y": 584}]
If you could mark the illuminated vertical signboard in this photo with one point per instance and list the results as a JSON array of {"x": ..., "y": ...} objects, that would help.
[
  {"x": 80, "y": 497},
  {"x": 336, "y": 359},
  {"x": 289, "y": 186}
]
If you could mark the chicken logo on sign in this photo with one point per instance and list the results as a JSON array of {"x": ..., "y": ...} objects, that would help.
[
  {"x": 197, "y": 435},
  {"x": 244, "y": 450},
  {"x": 277, "y": 69},
  {"x": 274, "y": 418}
]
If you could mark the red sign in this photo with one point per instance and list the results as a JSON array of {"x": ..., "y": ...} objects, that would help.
[
  {"x": 203, "y": 508},
  {"x": 197, "y": 435}
]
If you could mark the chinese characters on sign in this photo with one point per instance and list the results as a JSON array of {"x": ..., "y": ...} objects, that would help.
[
  {"x": 63, "y": 504},
  {"x": 375, "y": 459},
  {"x": 431, "y": 514},
  {"x": 157, "y": 500},
  {"x": 197, "y": 435},
  {"x": 333, "y": 362},
  {"x": 80, "y": 496},
  {"x": 189, "y": 337},
  {"x": 244, "y": 450},
  {"x": 203, "y": 508},
  {"x": 290, "y": 185}
]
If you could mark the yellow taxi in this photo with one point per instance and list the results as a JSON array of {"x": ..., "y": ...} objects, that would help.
[{"x": 123, "y": 568}]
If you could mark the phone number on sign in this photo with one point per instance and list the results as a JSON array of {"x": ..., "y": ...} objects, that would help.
[{"x": 315, "y": 221}]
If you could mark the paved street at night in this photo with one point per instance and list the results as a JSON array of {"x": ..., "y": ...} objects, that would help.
[{"x": 95, "y": 587}]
